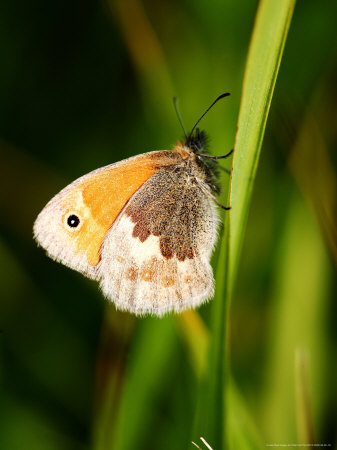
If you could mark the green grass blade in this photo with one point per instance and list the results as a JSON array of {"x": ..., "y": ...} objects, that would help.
[
  {"x": 155, "y": 344},
  {"x": 305, "y": 422},
  {"x": 265, "y": 53},
  {"x": 243, "y": 434}
]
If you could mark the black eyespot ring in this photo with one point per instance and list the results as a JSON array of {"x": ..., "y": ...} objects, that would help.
[{"x": 73, "y": 221}]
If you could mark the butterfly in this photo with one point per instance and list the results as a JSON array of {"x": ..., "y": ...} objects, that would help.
[{"x": 144, "y": 227}]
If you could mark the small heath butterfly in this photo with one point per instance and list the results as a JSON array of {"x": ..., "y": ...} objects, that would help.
[{"x": 145, "y": 227}]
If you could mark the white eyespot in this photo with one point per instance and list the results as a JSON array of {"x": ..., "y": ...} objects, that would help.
[{"x": 72, "y": 221}]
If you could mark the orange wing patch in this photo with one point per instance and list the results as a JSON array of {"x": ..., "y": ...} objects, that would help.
[{"x": 99, "y": 198}]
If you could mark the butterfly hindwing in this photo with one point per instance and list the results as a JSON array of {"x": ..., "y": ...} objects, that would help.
[{"x": 155, "y": 257}]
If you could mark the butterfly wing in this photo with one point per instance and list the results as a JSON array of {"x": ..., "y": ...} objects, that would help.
[
  {"x": 72, "y": 226},
  {"x": 155, "y": 258}
]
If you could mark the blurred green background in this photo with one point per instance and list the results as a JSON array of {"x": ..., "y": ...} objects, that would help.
[{"x": 84, "y": 84}]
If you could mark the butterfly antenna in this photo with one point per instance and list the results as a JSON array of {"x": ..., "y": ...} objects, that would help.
[
  {"x": 176, "y": 107},
  {"x": 210, "y": 107}
]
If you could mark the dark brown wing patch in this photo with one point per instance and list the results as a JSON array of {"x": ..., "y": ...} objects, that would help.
[{"x": 169, "y": 205}]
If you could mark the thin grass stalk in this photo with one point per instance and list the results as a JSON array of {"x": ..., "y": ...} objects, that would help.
[{"x": 264, "y": 57}]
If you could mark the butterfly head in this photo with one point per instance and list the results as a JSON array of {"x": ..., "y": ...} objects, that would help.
[
  {"x": 194, "y": 149},
  {"x": 197, "y": 141}
]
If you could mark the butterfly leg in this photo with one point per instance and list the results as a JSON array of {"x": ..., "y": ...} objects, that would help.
[
  {"x": 204, "y": 155},
  {"x": 209, "y": 194}
]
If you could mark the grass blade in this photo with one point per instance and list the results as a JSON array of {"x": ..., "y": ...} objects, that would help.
[
  {"x": 264, "y": 58},
  {"x": 265, "y": 53},
  {"x": 305, "y": 422}
]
